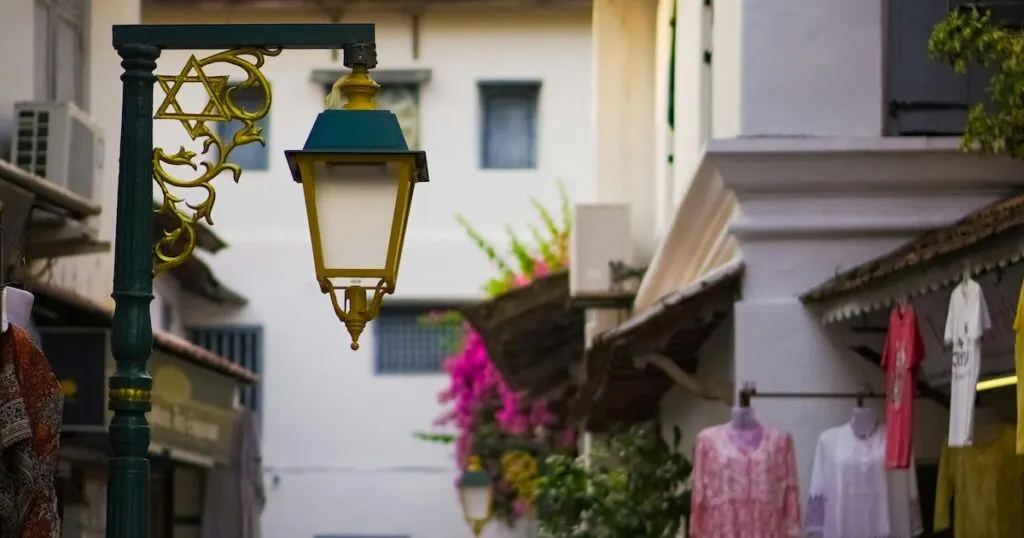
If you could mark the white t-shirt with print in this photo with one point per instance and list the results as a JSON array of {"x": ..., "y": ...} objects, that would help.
[{"x": 966, "y": 322}]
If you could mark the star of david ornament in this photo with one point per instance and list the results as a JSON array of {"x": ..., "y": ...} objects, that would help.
[{"x": 215, "y": 109}]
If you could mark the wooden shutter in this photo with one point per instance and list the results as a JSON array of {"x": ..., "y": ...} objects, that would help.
[{"x": 927, "y": 97}]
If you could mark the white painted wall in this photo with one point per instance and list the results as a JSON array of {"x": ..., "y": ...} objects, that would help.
[
  {"x": 337, "y": 440},
  {"x": 90, "y": 275}
]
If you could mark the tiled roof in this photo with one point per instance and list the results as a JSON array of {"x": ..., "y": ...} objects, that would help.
[
  {"x": 614, "y": 391},
  {"x": 986, "y": 223},
  {"x": 163, "y": 340}
]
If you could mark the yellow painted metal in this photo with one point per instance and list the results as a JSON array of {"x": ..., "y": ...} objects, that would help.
[
  {"x": 355, "y": 91},
  {"x": 131, "y": 395},
  {"x": 178, "y": 243},
  {"x": 996, "y": 383}
]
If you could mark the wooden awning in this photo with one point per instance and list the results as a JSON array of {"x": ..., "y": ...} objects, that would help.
[
  {"x": 985, "y": 240},
  {"x": 620, "y": 385},
  {"x": 533, "y": 336}
]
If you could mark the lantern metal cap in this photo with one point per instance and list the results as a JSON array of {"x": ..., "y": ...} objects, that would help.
[
  {"x": 474, "y": 476},
  {"x": 356, "y": 132}
]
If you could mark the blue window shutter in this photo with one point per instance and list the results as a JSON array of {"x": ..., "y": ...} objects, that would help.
[
  {"x": 403, "y": 344},
  {"x": 251, "y": 156},
  {"x": 242, "y": 345},
  {"x": 509, "y": 126}
]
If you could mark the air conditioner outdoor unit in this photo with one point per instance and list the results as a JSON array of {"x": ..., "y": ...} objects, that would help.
[
  {"x": 58, "y": 142},
  {"x": 600, "y": 236}
]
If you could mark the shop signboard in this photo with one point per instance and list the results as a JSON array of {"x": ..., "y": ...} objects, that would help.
[{"x": 193, "y": 408}]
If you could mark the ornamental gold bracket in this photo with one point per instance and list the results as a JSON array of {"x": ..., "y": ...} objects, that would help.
[{"x": 178, "y": 243}]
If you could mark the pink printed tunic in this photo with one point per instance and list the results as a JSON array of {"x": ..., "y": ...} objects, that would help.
[{"x": 744, "y": 494}]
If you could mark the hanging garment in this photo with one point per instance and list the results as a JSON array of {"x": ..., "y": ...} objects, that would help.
[
  {"x": 966, "y": 322},
  {"x": 852, "y": 495},
  {"x": 235, "y": 497},
  {"x": 984, "y": 482},
  {"x": 1018, "y": 362},
  {"x": 903, "y": 353},
  {"x": 31, "y": 404},
  {"x": 744, "y": 494}
]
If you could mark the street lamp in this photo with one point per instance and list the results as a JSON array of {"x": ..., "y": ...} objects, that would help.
[
  {"x": 358, "y": 177},
  {"x": 351, "y": 163},
  {"x": 476, "y": 493}
]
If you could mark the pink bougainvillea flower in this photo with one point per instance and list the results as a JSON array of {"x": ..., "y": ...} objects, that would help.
[{"x": 475, "y": 385}]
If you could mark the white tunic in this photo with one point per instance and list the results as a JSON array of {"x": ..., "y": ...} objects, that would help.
[
  {"x": 966, "y": 322},
  {"x": 852, "y": 495}
]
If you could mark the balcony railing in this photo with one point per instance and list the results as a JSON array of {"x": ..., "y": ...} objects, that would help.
[{"x": 925, "y": 97}]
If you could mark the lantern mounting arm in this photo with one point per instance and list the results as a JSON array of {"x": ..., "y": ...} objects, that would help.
[{"x": 356, "y": 310}]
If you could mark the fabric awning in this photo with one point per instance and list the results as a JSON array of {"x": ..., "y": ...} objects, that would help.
[
  {"x": 617, "y": 389},
  {"x": 698, "y": 240},
  {"x": 985, "y": 240}
]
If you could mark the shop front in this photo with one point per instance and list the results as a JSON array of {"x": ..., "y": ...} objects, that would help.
[
  {"x": 193, "y": 422},
  {"x": 800, "y": 212}
]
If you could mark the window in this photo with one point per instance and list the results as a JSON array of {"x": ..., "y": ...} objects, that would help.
[
  {"x": 403, "y": 99},
  {"x": 509, "y": 126},
  {"x": 60, "y": 50},
  {"x": 166, "y": 316},
  {"x": 404, "y": 344},
  {"x": 243, "y": 345},
  {"x": 251, "y": 156}
]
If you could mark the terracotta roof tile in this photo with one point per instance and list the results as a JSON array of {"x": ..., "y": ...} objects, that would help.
[
  {"x": 986, "y": 223},
  {"x": 163, "y": 340}
]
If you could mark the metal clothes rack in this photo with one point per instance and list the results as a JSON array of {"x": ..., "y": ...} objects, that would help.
[{"x": 749, "y": 391}]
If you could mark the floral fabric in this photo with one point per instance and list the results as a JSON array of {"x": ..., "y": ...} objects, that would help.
[
  {"x": 744, "y": 494},
  {"x": 31, "y": 404}
]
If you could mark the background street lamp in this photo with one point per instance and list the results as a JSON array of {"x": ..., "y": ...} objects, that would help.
[
  {"x": 245, "y": 47},
  {"x": 476, "y": 492}
]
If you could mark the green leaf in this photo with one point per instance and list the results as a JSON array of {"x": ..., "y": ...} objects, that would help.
[{"x": 437, "y": 438}]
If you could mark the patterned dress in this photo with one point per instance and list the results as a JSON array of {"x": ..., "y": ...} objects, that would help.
[
  {"x": 744, "y": 493},
  {"x": 31, "y": 403}
]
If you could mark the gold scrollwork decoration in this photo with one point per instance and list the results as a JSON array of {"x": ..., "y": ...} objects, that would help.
[{"x": 178, "y": 243}]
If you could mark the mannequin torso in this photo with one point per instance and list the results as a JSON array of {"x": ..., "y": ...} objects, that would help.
[{"x": 746, "y": 431}]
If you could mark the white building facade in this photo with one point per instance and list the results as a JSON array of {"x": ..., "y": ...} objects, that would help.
[
  {"x": 499, "y": 96},
  {"x": 806, "y": 139}
]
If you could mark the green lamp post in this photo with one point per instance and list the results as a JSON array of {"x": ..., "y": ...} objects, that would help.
[{"x": 357, "y": 176}]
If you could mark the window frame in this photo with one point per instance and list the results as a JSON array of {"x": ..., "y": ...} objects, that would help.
[
  {"x": 418, "y": 309},
  {"x": 225, "y": 130},
  {"x": 77, "y": 14},
  {"x": 259, "y": 357},
  {"x": 491, "y": 89},
  {"x": 416, "y": 88}
]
